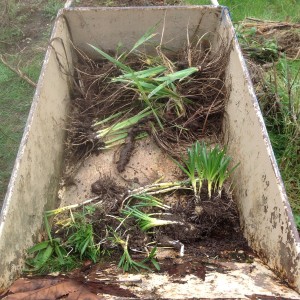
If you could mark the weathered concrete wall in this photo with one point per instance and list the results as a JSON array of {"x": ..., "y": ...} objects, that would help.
[
  {"x": 123, "y": 24},
  {"x": 265, "y": 212},
  {"x": 34, "y": 182}
]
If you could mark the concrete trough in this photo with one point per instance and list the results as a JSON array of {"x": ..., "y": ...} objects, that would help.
[{"x": 265, "y": 213}]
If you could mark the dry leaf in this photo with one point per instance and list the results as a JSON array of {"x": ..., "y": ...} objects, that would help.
[{"x": 49, "y": 289}]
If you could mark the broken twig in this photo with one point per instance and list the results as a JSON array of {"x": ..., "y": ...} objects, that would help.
[{"x": 18, "y": 72}]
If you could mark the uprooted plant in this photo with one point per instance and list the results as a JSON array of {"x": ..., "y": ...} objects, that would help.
[
  {"x": 206, "y": 165},
  {"x": 127, "y": 96},
  {"x": 115, "y": 134},
  {"x": 126, "y": 262},
  {"x": 77, "y": 238},
  {"x": 147, "y": 221},
  {"x": 75, "y": 241}
]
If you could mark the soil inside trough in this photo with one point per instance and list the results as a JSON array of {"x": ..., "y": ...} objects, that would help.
[{"x": 211, "y": 220}]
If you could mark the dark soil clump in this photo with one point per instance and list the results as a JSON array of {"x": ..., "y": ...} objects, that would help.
[{"x": 110, "y": 193}]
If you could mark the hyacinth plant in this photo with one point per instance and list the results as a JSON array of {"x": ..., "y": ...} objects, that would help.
[
  {"x": 147, "y": 221},
  {"x": 126, "y": 262},
  {"x": 115, "y": 134},
  {"x": 193, "y": 168},
  {"x": 153, "y": 83},
  {"x": 206, "y": 164}
]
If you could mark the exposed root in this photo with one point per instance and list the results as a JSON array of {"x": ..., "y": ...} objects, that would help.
[
  {"x": 205, "y": 95},
  {"x": 127, "y": 149},
  {"x": 197, "y": 114}
]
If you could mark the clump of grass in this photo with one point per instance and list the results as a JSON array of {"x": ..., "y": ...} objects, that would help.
[
  {"x": 44, "y": 252},
  {"x": 201, "y": 165},
  {"x": 56, "y": 254},
  {"x": 81, "y": 237},
  {"x": 153, "y": 83},
  {"x": 215, "y": 164},
  {"x": 260, "y": 50},
  {"x": 49, "y": 255},
  {"x": 51, "y": 8},
  {"x": 281, "y": 108},
  {"x": 210, "y": 165},
  {"x": 127, "y": 263},
  {"x": 147, "y": 221},
  {"x": 193, "y": 168}
]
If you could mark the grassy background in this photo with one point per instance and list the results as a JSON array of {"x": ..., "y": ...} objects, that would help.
[
  {"x": 277, "y": 10},
  {"x": 24, "y": 32},
  {"x": 283, "y": 124},
  {"x": 15, "y": 100}
]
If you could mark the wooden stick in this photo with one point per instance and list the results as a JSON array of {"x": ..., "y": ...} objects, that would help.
[
  {"x": 268, "y": 25},
  {"x": 68, "y": 207},
  {"x": 18, "y": 72},
  {"x": 260, "y": 20}
]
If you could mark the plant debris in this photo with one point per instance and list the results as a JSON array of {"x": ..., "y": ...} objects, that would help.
[
  {"x": 184, "y": 95},
  {"x": 265, "y": 41},
  {"x": 133, "y": 224},
  {"x": 123, "y": 99}
]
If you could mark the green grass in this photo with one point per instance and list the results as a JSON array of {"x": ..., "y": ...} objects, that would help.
[
  {"x": 52, "y": 7},
  {"x": 16, "y": 94},
  {"x": 8, "y": 34},
  {"x": 276, "y": 10},
  {"x": 15, "y": 101},
  {"x": 282, "y": 121},
  {"x": 76, "y": 242}
]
